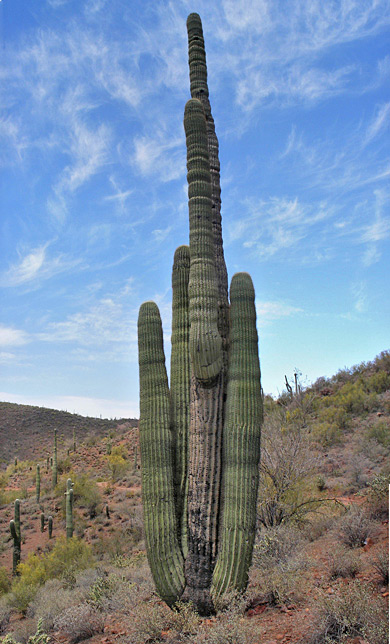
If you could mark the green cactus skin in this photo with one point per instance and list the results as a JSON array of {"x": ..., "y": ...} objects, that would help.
[
  {"x": 50, "y": 526},
  {"x": 163, "y": 550},
  {"x": 69, "y": 509},
  {"x": 180, "y": 386},
  {"x": 199, "y": 90},
  {"x": 47, "y": 464},
  {"x": 241, "y": 444},
  {"x": 14, "y": 526},
  {"x": 42, "y": 521},
  {"x": 38, "y": 484},
  {"x": 200, "y": 441},
  {"x": 135, "y": 459},
  {"x": 74, "y": 439},
  {"x": 54, "y": 469}
]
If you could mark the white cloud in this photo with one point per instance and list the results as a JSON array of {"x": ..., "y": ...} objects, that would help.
[
  {"x": 269, "y": 311},
  {"x": 11, "y": 337},
  {"x": 36, "y": 266},
  {"x": 27, "y": 269},
  {"x": 359, "y": 293},
  {"x": 163, "y": 155},
  {"x": 277, "y": 224},
  {"x": 379, "y": 123}
]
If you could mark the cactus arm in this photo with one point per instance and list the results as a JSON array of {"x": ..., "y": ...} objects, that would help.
[
  {"x": 163, "y": 550},
  {"x": 14, "y": 526},
  {"x": 38, "y": 484},
  {"x": 50, "y": 526},
  {"x": 241, "y": 448},
  {"x": 180, "y": 385},
  {"x": 205, "y": 340},
  {"x": 54, "y": 470},
  {"x": 69, "y": 509}
]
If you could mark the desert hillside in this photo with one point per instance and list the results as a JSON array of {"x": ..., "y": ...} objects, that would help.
[
  {"x": 320, "y": 566},
  {"x": 26, "y": 430}
]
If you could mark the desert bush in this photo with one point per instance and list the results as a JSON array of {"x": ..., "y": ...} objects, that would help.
[
  {"x": 25, "y": 631},
  {"x": 230, "y": 627},
  {"x": 378, "y": 495},
  {"x": 342, "y": 563},
  {"x": 278, "y": 564},
  {"x": 5, "y": 583},
  {"x": 50, "y": 601},
  {"x": 148, "y": 620},
  {"x": 118, "y": 461},
  {"x": 63, "y": 562},
  {"x": 80, "y": 622},
  {"x": 379, "y": 382},
  {"x": 5, "y": 613},
  {"x": 64, "y": 465},
  {"x": 355, "y": 527},
  {"x": 380, "y": 561},
  {"x": 86, "y": 493},
  {"x": 380, "y": 431},
  {"x": 286, "y": 467},
  {"x": 353, "y": 611}
]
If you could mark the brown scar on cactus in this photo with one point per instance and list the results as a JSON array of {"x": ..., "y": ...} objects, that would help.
[{"x": 200, "y": 437}]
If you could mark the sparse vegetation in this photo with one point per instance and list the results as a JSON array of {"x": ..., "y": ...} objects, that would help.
[{"x": 318, "y": 552}]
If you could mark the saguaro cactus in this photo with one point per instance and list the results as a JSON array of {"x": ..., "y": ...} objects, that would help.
[
  {"x": 14, "y": 526},
  {"x": 200, "y": 439},
  {"x": 69, "y": 509},
  {"x": 50, "y": 526},
  {"x": 42, "y": 521},
  {"x": 54, "y": 466},
  {"x": 38, "y": 484}
]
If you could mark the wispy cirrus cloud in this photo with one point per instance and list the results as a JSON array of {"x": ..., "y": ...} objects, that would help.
[
  {"x": 268, "y": 312},
  {"x": 273, "y": 226},
  {"x": 162, "y": 155},
  {"x": 379, "y": 123},
  {"x": 88, "y": 151},
  {"x": 11, "y": 337},
  {"x": 36, "y": 265}
]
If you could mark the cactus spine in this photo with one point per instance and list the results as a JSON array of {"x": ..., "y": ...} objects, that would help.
[
  {"x": 54, "y": 470},
  {"x": 38, "y": 483},
  {"x": 200, "y": 440},
  {"x": 69, "y": 509},
  {"x": 50, "y": 526},
  {"x": 14, "y": 526}
]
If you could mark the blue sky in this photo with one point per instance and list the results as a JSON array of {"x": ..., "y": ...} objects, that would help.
[{"x": 93, "y": 184}]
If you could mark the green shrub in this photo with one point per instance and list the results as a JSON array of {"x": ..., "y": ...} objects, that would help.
[
  {"x": 118, "y": 461},
  {"x": 380, "y": 432},
  {"x": 378, "y": 495},
  {"x": 379, "y": 382},
  {"x": 4, "y": 581},
  {"x": 68, "y": 557}
]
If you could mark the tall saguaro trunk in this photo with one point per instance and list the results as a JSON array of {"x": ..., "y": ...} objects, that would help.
[{"x": 200, "y": 439}]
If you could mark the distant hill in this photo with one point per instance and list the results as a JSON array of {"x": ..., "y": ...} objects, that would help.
[{"x": 26, "y": 430}]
